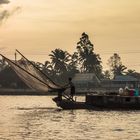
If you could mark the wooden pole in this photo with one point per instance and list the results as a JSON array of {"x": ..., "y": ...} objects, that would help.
[
  {"x": 37, "y": 68},
  {"x": 26, "y": 71}
]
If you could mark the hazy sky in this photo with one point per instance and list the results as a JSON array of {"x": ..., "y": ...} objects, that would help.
[{"x": 36, "y": 27}]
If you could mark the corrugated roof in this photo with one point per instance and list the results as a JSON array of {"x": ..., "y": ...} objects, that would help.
[
  {"x": 85, "y": 77},
  {"x": 124, "y": 78}
]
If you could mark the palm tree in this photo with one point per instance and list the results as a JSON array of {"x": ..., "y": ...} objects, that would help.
[
  {"x": 48, "y": 69},
  {"x": 72, "y": 66},
  {"x": 116, "y": 66},
  {"x": 59, "y": 60},
  {"x": 130, "y": 72},
  {"x": 39, "y": 65},
  {"x": 133, "y": 73},
  {"x": 89, "y": 61},
  {"x": 107, "y": 74},
  {"x": 120, "y": 70}
]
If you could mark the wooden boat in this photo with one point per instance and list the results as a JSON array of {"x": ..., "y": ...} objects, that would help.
[
  {"x": 97, "y": 102},
  {"x": 113, "y": 101},
  {"x": 39, "y": 81},
  {"x": 70, "y": 104}
]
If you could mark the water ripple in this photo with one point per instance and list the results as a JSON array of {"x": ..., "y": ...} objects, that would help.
[{"x": 37, "y": 118}]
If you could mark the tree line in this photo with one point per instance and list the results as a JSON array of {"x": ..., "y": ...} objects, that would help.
[{"x": 62, "y": 65}]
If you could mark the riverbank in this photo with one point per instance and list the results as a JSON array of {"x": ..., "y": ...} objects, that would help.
[
  {"x": 23, "y": 92},
  {"x": 30, "y": 92},
  {"x": 20, "y": 92}
]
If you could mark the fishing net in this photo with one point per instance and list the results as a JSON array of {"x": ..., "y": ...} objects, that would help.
[{"x": 31, "y": 76}]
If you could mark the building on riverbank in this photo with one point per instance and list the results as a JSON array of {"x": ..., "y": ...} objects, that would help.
[{"x": 89, "y": 82}]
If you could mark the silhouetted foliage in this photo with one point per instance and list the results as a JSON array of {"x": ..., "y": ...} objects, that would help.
[
  {"x": 63, "y": 65},
  {"x": 130, "y": 72},
  {"x": 9, "y": 79},
  {"x": 39, "y": 65},
  {"x": 59, "y": 60},
  {"x": 116, "y": 66},
  {"x": 88, "y": 60},
  {"x": 3, "y": 64},
  {"x": 107, "y": 74},
  {"x": 133, "y": 73}
]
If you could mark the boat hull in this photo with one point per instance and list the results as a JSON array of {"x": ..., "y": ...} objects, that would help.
[
  {"x": 114, "y": 102},
  {"x": 69, "y": 104},
  {"x": 102, "y": 102}
]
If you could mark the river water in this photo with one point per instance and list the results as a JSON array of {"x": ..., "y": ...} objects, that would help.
[{"x": 38, "y": 118}]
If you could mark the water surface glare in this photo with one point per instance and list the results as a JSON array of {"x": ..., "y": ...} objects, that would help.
[{"x": 38, "y": 118}]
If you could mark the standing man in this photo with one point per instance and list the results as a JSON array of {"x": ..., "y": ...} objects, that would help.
[{"x": 72, "y": 88}]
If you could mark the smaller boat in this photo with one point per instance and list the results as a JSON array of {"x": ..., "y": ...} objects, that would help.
[{"x": 70, "y": 104}]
